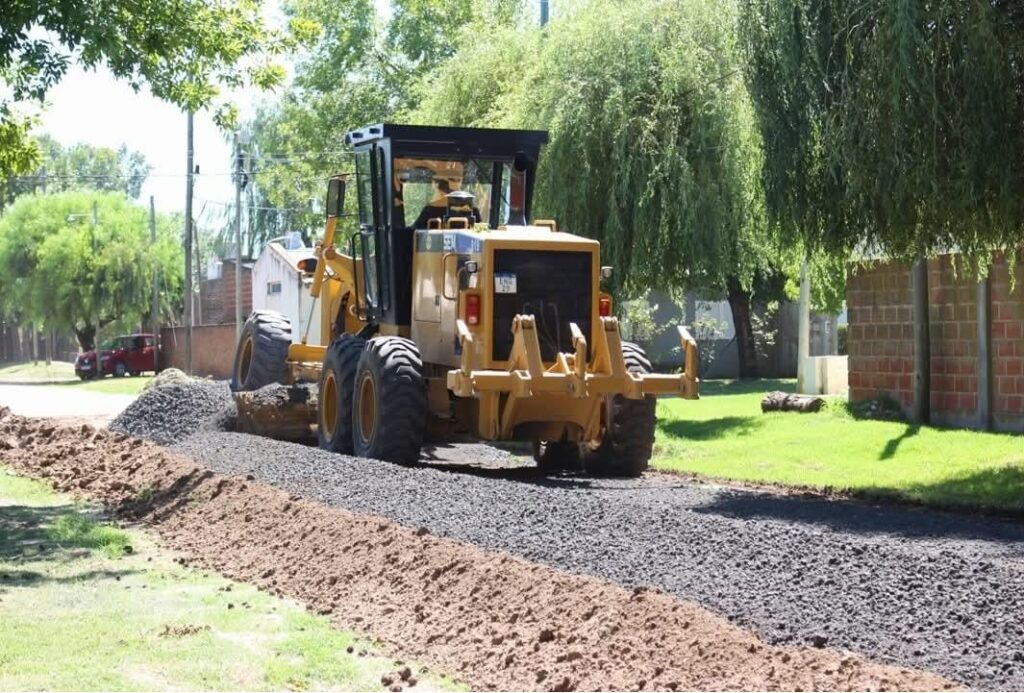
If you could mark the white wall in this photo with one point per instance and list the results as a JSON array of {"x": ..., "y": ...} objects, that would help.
[{"x": 275, "y": 265}]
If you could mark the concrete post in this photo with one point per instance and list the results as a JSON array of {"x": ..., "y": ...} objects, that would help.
[
  {"x": 803, "y": 348},
  {"x": 984, "y": 367}
]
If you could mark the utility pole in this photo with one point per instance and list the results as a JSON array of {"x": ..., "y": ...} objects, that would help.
[
  {"x": 189, "y": 180},
  {"x": 239, "y": 184},
  {"x": 155, "y": 308}
]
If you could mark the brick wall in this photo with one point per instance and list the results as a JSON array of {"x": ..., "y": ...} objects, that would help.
[
  {"x": 1008, "y": 346},
  {"x": 217, "y": 296},
  {"x": 881, "y": 339},
  {"x": 213, "y": 349}
]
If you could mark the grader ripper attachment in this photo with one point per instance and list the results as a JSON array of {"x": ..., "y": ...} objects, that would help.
[{"x": 445, "y": 316}]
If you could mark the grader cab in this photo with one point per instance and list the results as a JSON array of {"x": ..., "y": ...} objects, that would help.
[{"x": 445, "y": 315}]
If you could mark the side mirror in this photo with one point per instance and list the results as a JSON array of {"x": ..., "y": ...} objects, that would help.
[{"x": 335, "y": 197}]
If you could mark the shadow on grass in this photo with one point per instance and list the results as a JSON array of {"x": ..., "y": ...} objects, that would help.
[
  {"x": 29, "y": 533},
  {"x": 712, "y": 388},
  {"x": 979, "y": 506},
  {"x": 710, "y": 429},
  {"x": 891, "y": 447}
]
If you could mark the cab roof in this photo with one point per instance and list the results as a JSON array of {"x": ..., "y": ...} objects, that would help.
[{"x": 426, "y": 139}]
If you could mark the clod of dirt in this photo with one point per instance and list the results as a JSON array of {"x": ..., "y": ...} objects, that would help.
[
  {"x": 180, "y": 631},
  {"x": 434, "y": 598}
]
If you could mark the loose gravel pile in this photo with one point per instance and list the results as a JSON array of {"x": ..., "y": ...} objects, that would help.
[
  {"x": 921, "y": 589},
  {"x": 172, "y": 412},
  {"x": 500, "y": 622}
]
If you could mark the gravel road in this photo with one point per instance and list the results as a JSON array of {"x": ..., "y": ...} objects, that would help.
[{"x": 922, "y": 589}]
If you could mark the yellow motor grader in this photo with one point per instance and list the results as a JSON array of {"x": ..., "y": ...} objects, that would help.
[{"x": 448, "y": 316}]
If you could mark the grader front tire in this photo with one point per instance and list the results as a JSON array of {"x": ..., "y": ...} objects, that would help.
[
  {"x": 627, "y": 443},
  {"x": 336, "y": 393},
  {"x": 390, "y": 405},
  {"x": 261, "y": 357}
]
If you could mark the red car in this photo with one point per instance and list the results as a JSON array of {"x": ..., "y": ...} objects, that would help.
[{"x": 128, "y": 354}]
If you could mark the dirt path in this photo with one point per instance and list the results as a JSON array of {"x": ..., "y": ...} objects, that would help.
[
  {"x": 67, "y": 404},
  {"x": 500, "y": 621}
]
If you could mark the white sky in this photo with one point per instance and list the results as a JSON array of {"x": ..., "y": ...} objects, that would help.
[{"x": 95, "y": 108}]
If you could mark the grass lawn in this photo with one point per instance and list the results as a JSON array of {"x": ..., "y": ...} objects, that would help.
[
  {"x": 110, "y": 385},
  {"x": 724, "y": 435},
  {"x": 29, "y": 372},
  {"x": 88, "y": 606}
]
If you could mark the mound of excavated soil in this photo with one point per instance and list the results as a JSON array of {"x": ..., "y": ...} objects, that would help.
[
  {"x": 172, "y": 412},
  {"x": 500, "y": 622}
]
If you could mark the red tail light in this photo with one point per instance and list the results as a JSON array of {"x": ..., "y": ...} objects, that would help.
[
  {"x": 472, "y": 309},
  {"x": 604, "y": 306}
]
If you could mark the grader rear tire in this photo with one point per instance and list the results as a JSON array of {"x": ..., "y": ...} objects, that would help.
[
  {"x": 628, "y": 441},
  {"x": 390, "y": 406},
  {"x": 336, "y": 393},
  {"x": 262, "y": 354}
]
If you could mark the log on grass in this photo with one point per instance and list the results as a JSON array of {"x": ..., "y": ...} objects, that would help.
[{"x": 783, "y": 401}]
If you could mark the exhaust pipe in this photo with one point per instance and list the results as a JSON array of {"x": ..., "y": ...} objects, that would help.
[{"x": 517, "y": 192}]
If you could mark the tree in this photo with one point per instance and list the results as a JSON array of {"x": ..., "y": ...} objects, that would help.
[
  {"x": 80, "y": 166},
  {"x": 362, "y": 69},
  {"x": 891, "y": 126},
  {"x": 184, "y": 50},
  {"x": 654, "y": 145},
  {"x": 79, "y": 261}
]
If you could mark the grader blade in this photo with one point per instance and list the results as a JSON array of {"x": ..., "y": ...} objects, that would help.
[{"x": 284, "y": 412}]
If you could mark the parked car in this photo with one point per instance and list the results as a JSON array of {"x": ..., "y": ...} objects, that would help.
[{"x": 121, "y": 356}]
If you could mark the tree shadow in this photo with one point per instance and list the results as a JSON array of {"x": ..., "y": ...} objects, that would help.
[
  {"x": 25, "y": 532},
  {"x": 710, "y": 429},
  {"x": 996, "y": 491},
  {"x": 712, "y": 388},
  {"x": 27, "y": 535},
  {"x": 889, "y": 451},
  {"x": 987, "y": 505}
]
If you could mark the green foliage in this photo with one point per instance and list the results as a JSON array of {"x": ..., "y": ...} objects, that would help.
[
  {"x": 707, "y": 330},
  {"x": 185, "y": 50},
  {"x": 362, "y": 69},
  {"x": 654, "y": 149},
  {"x": 891, "y": 126},
  {"x": 18, "y": 152},
  {"x": 638, "y": 323},
  {"x": 60, "y": 269},
  {"x": 80, "y": 166}
]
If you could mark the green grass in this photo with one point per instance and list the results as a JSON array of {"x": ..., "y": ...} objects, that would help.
[
  {"x": 724, "y": 435},
  {"x": 87, "y": 606},
  {"x": 111, "y": 385},
  {"x": 34, "y": 372}
]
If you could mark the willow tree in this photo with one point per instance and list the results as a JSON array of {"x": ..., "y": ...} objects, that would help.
[
  {"x": 895, "y": 125},
  {"x": 79, "y": 261},
  {"x": 653, "y": 150}
]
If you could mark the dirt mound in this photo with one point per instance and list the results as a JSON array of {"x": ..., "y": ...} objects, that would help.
[
  {"x": 498, "y": 621},
  {"x": 167, "y": 376},
  {"x": 172, "y": 412}
]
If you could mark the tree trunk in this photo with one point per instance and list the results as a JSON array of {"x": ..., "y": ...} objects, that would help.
[
  {"x": 739, "y": 303},
  {"x": 86, "y": 337}
]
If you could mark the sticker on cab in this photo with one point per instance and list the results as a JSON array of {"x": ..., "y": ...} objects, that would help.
[{"x": 504, "y": 283}]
